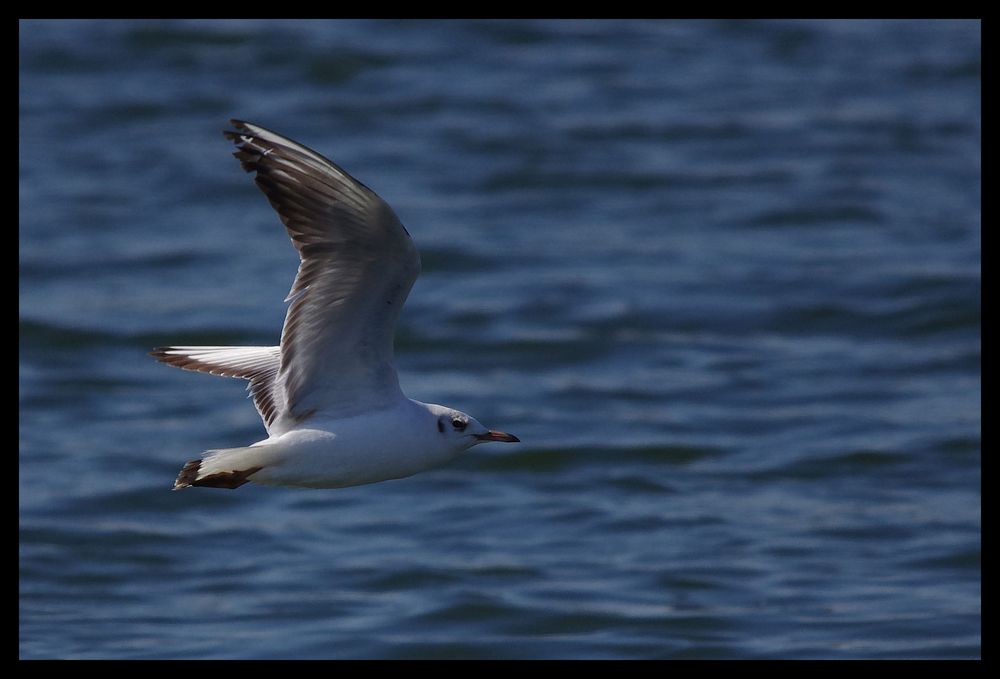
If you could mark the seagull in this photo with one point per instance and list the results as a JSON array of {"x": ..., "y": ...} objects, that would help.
[{"x": 328, "y": 395}]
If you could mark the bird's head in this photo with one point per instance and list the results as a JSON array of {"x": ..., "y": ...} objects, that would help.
[{"x": 463, "y": 430}]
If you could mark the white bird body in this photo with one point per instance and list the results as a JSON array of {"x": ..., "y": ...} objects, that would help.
[
  {"x": 391, "y": 443},
  {"x": 328, "y": 395}
]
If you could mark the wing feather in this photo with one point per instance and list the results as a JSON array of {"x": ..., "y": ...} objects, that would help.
[
  {"x": 259, "y": 365},
  {"x": 357, "y": 265}
]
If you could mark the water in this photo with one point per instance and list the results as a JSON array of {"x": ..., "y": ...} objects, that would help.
[{"x": 722, "y": 279}]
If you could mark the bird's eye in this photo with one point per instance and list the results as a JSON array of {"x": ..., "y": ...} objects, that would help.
[{"x": 459, "y": 425}]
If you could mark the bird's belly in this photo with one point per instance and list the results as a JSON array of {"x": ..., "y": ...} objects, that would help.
[{"x": 316, "y": 458}]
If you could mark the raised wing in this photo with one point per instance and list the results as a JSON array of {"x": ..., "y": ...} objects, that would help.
[{"x": 357, "y": 265}]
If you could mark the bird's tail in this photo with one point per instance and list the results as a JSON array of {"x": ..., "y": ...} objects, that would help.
[{"x": 222, "y": 468}]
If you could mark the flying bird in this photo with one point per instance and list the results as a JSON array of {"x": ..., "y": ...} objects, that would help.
[{"x": 328, "y": 394}]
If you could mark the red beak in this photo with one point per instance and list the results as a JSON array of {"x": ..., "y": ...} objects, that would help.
[{"x": 498, "y": 436}]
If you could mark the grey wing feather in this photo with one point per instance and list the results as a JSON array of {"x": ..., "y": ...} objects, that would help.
[{"x": 357, "y": 265}]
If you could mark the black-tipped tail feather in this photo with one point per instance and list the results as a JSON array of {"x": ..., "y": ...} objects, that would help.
[{"x": 233, "y": 479}]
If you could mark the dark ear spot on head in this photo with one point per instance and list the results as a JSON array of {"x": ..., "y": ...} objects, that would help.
[{"x": 440, "y": 426}]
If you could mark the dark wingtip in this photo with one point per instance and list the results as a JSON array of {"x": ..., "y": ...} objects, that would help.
[
  {"x": 240, "y": 130},
  {"x": 246, "y": 151}
]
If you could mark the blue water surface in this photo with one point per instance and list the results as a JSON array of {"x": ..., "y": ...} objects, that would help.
[{"x": 723, "y": 279}]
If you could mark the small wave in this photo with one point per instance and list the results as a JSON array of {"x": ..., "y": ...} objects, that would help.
[
  {"x": 915, "y": 319},
  {"x": 852, "y": 463},
  {"x": 962, "y": 560},
  {"x": 331, "y": 67},
  {"x": 164, "y": 36},
  {"x": 556, "y": 459},
  {"x": 817, "y": 216}
]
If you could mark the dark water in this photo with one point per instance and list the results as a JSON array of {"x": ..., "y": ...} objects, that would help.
[{"x": 723, "y": 280}]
